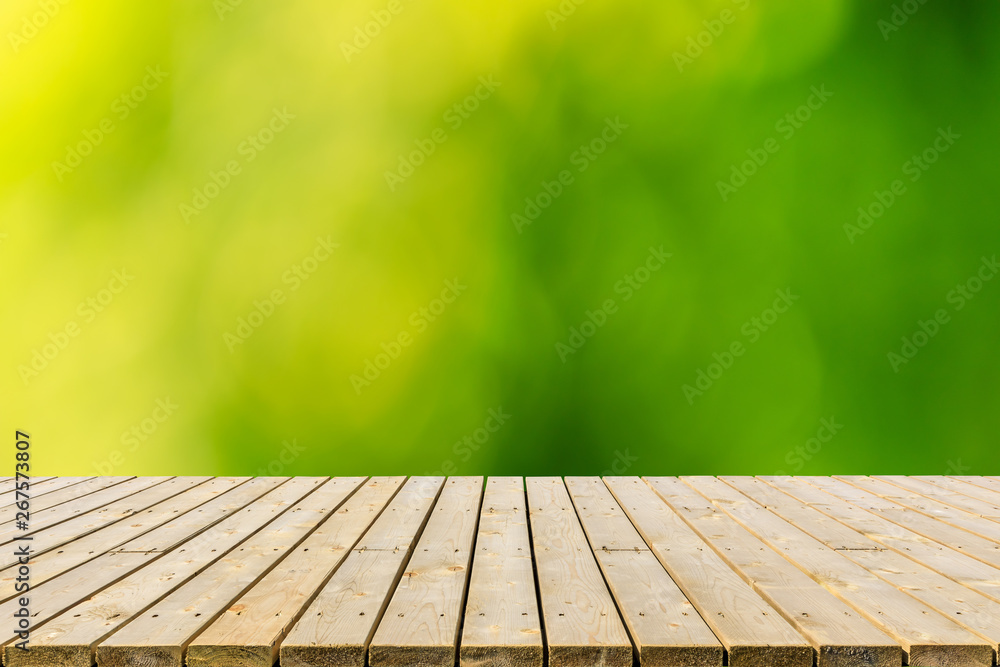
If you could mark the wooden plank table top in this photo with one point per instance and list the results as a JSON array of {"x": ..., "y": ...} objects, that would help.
[
  {"x": 501, "y": 624},
  {"x": 879, "y": 571},
  {"x": 927, "y": 636},
  {"x": 422, "y": 620}
]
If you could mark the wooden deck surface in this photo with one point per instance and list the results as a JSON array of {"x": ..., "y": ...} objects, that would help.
[{"x": 508, "y": 572}]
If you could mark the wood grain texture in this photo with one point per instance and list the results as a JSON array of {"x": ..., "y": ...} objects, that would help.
[
  {"x": 990, "y": 483},
  {"x": 390, "y": 571},
  {"x": 83, "y": 549},
  {"x": 52, "y": 508},
  {"x": 943, "y": 494},
  {"x": 752, "y": 631},
  {"x": 66, "y": 522},
  {"x": 502, "y": 625},
  {"x": 943, "y": 512},
  {"x": 975, "y": 612},
  {"x": 663, "y": 625},
  {"x": 55, "y": 596},
  {"x": 582, "y": 625},
  {"x": 336, "y": 628},
  {"x": 979, "y": 493},
  {"x": 159, "y": 636},
  {"x": 420, "y": 625},
  {"x": 949, "y": 562},
  {"x": 927, "y": 636},
  {"x": 839, "y": 635},
  {"x": 962, "y": 533},
  {"x": 69, "y": 639},
  {"x": 39, "y": 489},
  {"x": 250, "y": 631}
]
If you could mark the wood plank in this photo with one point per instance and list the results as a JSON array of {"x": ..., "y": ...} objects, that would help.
[
  {"x": 944, "y": 513},
  {"x": 949, "y": 562},
  {"x": 93, "y": 502},
  {"x": 337, "y": 627},
  {"x": 743, "y": 572},
  {"x": 38, "y": 488},
  {"x": 985, "y": 509},
  {"x": 34, "y": 480},
  {"x": 84, "y": 549},
  {"x": 85, "y": 523},
  {"x": 753, "y": 633},
  {"x": 840, "y": 636},
  {"x": 63, "y": 493},
  {"x": 53, "y": 597},
  {"x": 159, "y": 636},
  {"x": 928, "y": 637},
  {"x": 927, "y": 526},
  {"x": 664, "y": 626},
  {"x": 973, "y": 611},
  {"x": 420, "y": 625},
  {"x": 249, "y": 633},
  {"x": 957, "y": 486},
  {"x": 990, "y": 483},
  {"x": 502, "y": 625},
  {"x": 581, "y": 623},
  {"x": 70, "y": 639}
]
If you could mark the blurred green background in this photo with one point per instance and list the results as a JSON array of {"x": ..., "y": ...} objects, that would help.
[{"x": 503, "y": 376}]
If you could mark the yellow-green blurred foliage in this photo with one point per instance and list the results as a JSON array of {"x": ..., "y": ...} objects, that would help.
[{"x": 282, "y": 400}]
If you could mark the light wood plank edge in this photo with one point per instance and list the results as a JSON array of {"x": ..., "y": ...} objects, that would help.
[
  {"x": 648, "y": 654},
  {"x": 931, "y": 652},
  {"x": 480, "y": 655},
  {"x": 75, "y": 655},
  {"x": 937, "y": 510},
  {"x": 125, "y": 655},
  {"x": 39, "y": 506},
  {"x": 960, "y": 502},
  {"x": 741, "y": 655},
  {"x": 962, "y": 487},
  {"x": 578, "y": 655},
  {"x": 38, "y": 488},
  {"x": 343, "y": 655},
  {"x": 156, "y": 555},
  {"x": 980, "y": 482},
  {"x": 61, "y": 518},
  {"x": 432, "y": 656},
  {"x": 231, "y": 655}
]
